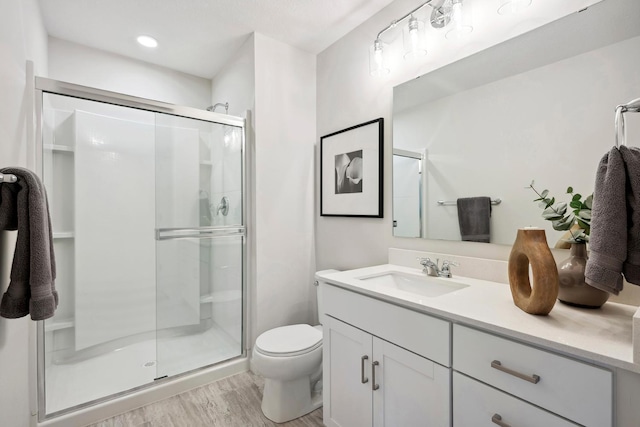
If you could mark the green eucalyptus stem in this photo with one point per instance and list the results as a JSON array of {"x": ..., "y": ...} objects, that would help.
[{"x": 564, "y": 219}]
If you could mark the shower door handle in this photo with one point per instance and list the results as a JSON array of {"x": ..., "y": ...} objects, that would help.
[{"x": 198, "y": 233}]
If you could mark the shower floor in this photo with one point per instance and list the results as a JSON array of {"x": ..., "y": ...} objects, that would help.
[{"x": 134, "y": 365}]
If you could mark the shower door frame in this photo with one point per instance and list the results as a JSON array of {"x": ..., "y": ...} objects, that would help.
[{"x": 45, "y": 85}]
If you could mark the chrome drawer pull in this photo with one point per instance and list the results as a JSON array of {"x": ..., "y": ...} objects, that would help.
[
  {"x": 363, "y": 379},
  {"x": 531, "y": 378},
  {"x": 497, "y": 419},
  {"x": 374, "y": 386}
]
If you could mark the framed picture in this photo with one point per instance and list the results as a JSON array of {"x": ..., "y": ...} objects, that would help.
[{"x": 351, "y": 171}]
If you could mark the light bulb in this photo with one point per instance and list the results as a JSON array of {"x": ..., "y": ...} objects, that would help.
[
  {"x": 413, "y": 33},
  {"x": 459, "y": 21},
  {"x": 377, "y": 61},
  {"x": 456, "y": 14},
  {"x": 414, "y": 39},
  {"x": 378, "y": 57}
]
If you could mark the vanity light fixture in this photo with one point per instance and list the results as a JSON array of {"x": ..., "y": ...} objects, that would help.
[
  {"x": 512, "y": 6},
  {"x": 147, "y": 41},
  {"x": 445, "y": 13}
]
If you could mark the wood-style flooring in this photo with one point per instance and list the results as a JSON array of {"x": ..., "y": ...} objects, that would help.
[{"x": 230, "y": 402}]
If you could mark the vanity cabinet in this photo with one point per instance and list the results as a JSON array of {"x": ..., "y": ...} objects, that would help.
[
  {"x": 574, "y": 390},
  {"x": 370, "y": 380}
]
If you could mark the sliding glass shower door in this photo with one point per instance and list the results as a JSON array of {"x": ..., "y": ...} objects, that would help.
[
  {"x": 199, "y": 243},
  {"x": 148, "y": 228}
]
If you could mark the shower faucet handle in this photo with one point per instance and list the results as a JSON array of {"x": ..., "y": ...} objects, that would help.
[{"x": 223, "y": 206}]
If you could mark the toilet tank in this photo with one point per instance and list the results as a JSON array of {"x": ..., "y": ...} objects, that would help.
[{"x": 319, "y": 292}]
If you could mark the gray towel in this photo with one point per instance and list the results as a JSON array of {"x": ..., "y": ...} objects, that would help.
[
  {"x": 608, "y": 238},
  {"x": 24, "y": 207},
  {"x": 631, "y": 266},
  {"x": 474, "y": 217}
]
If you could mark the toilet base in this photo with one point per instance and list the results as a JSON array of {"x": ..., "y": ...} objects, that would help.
[{"x": 284, "y": 401}]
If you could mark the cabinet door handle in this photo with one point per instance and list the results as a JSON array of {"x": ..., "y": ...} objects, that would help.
[
  {"x": 497, "y": 419},
  {"x": 374, "y": 386},
  {"x": 531, "y": 378},
  {"x": 363, "y": 379}
]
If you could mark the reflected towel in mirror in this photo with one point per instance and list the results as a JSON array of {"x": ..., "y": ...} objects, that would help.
[{"x": 474, "y": 218}]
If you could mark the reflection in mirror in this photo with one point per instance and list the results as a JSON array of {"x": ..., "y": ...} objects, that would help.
[
  {"x": 539, "y": 106},
  {"x": 407, "y": 193}
]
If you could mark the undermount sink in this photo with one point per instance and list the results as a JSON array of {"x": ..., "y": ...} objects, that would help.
[{"x": 426, "y": 286}]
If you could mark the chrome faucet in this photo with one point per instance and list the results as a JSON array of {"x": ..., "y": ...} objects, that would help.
[
  {"x": 431, "y": 268},
  {"x": 445, "y": 271}
]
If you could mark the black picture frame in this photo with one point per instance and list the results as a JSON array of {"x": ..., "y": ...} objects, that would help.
[{"x": 352, "y": 171}]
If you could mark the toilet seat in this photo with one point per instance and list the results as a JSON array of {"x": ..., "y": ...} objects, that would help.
[{"x": 286, "y": 341}]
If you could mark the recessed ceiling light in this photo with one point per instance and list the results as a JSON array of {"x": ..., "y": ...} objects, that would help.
[{"x": 147, "y": 41}]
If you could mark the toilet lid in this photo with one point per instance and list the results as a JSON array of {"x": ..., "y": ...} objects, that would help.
[{"x": 289, "y": 340}]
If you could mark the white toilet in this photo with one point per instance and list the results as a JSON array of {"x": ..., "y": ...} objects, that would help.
[{"x": 290, "y": 360}]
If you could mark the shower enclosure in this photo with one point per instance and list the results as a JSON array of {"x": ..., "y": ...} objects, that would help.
[{"x": 147, "y": 203}]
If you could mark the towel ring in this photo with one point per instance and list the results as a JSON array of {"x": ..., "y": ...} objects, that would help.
[
  {"x": 621, "y": 132},
  {"x": 8, "y": 177}
]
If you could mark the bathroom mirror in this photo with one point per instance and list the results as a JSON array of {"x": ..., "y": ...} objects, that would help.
[{"x": 537, "y": 107}]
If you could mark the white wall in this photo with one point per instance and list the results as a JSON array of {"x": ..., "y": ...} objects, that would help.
[
  {"x": 285, "y": 100},
  {"x": 22, "y": 38},
  {"x": 74, "y": 63},
  {"x": 235, "y": 82}
]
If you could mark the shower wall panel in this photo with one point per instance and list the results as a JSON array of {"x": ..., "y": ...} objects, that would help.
[{"x": 115, "y": 241}]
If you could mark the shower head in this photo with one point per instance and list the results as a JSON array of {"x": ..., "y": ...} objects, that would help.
[{"x": 219, "y": 104}]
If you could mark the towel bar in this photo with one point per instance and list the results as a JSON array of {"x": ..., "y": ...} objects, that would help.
[
  {"x": 7, "y": 177},
  {"x": 453, "y": 202}
]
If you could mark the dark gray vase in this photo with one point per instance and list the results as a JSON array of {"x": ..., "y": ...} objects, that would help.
[{"x": 573, "y": 289}]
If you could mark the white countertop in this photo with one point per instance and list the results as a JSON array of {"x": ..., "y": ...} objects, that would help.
[{"x": 602, "y": 335}]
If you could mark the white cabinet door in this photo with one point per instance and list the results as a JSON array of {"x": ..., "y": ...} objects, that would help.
[
  {"x": 347, "y": 370},
  {"x": 412, "y": 391}
]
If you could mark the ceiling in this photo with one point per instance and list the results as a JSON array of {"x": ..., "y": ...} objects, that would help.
[{"x": 199, "y": 36}]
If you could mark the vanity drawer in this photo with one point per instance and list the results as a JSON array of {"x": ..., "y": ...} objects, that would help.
[
  {"x": 422, "y": 334},
  {"x": 572, "y": 389},
  {"x": 477, "y": 405}
]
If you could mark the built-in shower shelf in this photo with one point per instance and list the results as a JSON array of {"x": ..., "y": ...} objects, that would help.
[
  {"x": 56, "y": 325},
  {"x": 221, "y": 296},
  {"x": 206, "y": 163},
  {"x": 64, "y": 235},
  {"x": 58, "y": 147}
]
